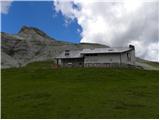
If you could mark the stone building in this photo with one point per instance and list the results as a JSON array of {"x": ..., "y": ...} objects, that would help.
[{"x": 98, "y": 57}]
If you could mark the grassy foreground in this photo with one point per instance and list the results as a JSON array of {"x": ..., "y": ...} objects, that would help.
[{"x": 38, "y": 91}]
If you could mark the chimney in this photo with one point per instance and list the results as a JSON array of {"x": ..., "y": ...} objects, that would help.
[
  {"x": 67, "y": 52},
  {"x": 131, "y": 46}
]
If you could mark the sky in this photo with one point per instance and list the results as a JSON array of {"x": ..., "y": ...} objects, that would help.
[
  {"x": 41, "y": 15},
  {"x": 114, "y": 23}
]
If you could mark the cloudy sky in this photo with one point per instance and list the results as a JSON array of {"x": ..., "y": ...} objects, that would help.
[{"x": 114, "y": 23}]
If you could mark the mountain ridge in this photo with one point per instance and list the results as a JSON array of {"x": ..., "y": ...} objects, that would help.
[{"x": 32, "y": 44}]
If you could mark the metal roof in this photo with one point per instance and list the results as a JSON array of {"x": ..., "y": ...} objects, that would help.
[
  {"x": 80, "y": 53},
  {"x": 72, "y": 54},
  {"x": 105, "y": 50}
]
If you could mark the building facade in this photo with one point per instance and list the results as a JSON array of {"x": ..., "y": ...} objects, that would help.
[{"x": 98, "y": 57}]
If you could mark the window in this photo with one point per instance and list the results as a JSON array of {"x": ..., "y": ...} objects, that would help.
[{"x": 91, "y": 54}]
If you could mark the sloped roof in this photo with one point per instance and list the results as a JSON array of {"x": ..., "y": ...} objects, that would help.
[
  {"x": 80, "y": 53},
  {"x": 72, "y": 54},
  {"x": 105, "y": 50}
]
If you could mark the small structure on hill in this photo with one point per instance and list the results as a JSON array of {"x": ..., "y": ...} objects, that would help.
[{"x": 98, "y": 57}]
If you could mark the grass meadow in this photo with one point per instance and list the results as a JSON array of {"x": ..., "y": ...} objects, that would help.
[{"x": 39, "y": 91}]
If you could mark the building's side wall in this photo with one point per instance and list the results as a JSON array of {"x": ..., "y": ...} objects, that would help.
[
  {"x": 79, "y": 62},
  {"x": 133, "y": 57},
  {"x": 124, "y": 59},
  {"x": 128, "y": 57},
  {"x": 101, "y": 60},
  {"x": 108, "y": 60}
]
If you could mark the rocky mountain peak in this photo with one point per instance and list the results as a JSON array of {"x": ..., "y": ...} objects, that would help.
[{"x": 26, "y": 30}]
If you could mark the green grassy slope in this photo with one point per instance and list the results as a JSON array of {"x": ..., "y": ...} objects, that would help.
[
  {"x": 148, "y": 65},
  {"x": 38, "y": 91}
]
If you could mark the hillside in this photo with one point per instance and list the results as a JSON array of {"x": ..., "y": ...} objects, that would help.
[
  {"x": 147, "y": 65},
  {"x": 39, "y": 91},
  {"x": 31, "y": 44}
]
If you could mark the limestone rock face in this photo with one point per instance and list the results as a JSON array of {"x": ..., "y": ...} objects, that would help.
[
  {"x": 8, "y": 61},
  {"x": 31, "y": 44}
]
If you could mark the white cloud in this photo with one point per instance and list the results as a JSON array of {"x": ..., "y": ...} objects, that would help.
[
  {"x": 5, "y": 5},
  {"x": 116, "y": 23}
]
